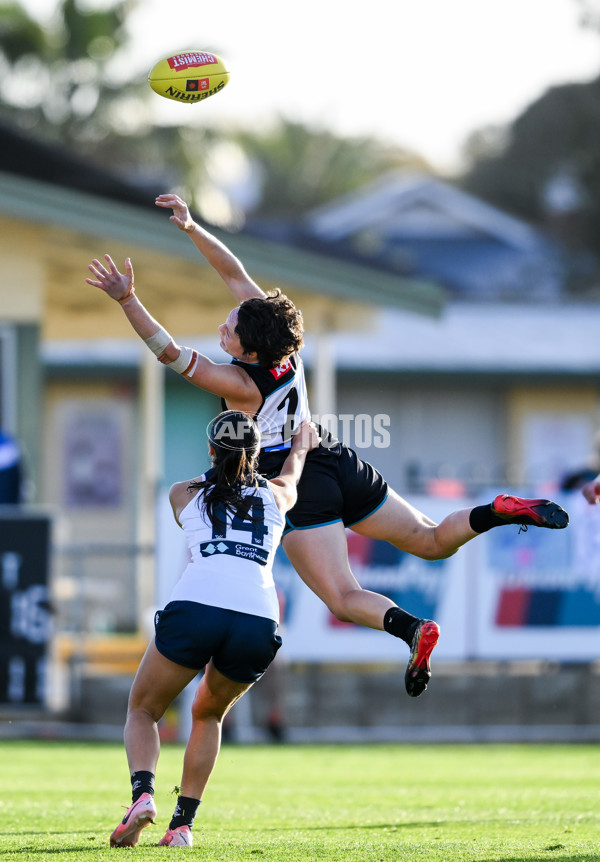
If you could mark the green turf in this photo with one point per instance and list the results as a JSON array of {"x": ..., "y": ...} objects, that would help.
[{"x": 281, "y": 803}]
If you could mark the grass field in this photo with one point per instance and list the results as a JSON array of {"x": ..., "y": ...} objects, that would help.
[{"x": 60, "y": 801}]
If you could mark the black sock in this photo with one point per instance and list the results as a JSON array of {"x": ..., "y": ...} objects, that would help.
[
  {"x": 483, "y": 518},
  {"x": 141, "y": 782},
  {"x": 184, "y": 813},
  {"x": 400, "y": 624}
]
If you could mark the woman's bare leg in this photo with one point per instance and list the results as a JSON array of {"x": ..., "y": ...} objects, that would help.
[
  {"x": 215, "y": 696},
  {"x": 156, "y": 684},
  {"x": 320, "y": 556},
  {"x": 399, "y": 523}
]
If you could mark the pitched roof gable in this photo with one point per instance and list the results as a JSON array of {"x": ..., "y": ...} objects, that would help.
[{"x": 416, "y": 205}]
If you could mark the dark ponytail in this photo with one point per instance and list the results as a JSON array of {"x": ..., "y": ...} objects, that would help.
[{"x": 236, "y": 440}]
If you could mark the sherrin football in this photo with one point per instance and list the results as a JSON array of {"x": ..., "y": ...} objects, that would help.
[{"x": 190, "y": 76}]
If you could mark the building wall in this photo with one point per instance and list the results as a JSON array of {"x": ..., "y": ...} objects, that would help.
[
  {"x": 21, "y": 312},
  {"x": 21, "y": 395},
  {"x": 89, "y": 488},
  {"x": 551, "y": 429},
  {"x": 188, "y": 411},
  {"x": 479, "y": 433}
]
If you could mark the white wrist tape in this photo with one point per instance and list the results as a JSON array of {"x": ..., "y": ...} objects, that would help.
[
  {"x": 158, "y": 342},
  {"x": 186, "y": 362}
]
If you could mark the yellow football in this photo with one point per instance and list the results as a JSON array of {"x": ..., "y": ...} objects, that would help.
[{"x": 190, "y": 76}]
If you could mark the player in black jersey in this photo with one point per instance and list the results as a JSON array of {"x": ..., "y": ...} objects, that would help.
[{"x": 263, "y": 335}]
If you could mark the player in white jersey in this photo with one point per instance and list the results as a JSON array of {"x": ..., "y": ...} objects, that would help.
[
  {"x": 337, "y": 489},
  {"x": 222, "y": 615}
]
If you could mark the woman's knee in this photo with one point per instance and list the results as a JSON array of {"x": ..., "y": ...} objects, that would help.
[
  {"x": 145, "y": 711},
  {"x": 209, "y": 705},
  {"x": 433, "y": 556}
]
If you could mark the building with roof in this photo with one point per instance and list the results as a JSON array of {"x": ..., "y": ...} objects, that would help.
[{"x": 420, "y": 226}]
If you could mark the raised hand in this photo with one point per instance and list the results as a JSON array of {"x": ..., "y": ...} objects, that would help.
[
  {"x": 181, "y": 214},
  {"x": 117, "y": 285}
]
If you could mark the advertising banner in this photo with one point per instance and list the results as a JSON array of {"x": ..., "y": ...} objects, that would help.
[
  {"x": 435, "y": 590},
  {"x": 538, "y": 593},
  {"x": 24, "y": 606}
]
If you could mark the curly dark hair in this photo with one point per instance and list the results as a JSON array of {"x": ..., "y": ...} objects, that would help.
[{"x": 270, "y": 326}]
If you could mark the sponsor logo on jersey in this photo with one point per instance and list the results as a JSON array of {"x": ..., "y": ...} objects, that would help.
[
  {"x": 189, "y": 61},
  {"x": 235, "y": 549},
  {"x": 281, "y": 369}
]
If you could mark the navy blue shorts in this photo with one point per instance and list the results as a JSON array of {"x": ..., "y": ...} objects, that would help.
[{"x": 241, "y": 646}]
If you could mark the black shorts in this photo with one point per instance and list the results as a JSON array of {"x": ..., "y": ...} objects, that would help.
[
  {"x": 336, "y": 486},
  {"x": 242, "y": 646}
]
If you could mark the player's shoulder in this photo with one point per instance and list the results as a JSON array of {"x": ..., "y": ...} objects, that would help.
[
  {"x": 177, "y": 488},
  {"x": 179, "y": 492},
  {"x": 265, "y": 378}
]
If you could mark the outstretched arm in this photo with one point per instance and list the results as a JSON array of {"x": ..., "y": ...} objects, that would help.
[
  {"x": 284, "y": 486},
  {"x": 591, "y": 490},
  {"x": 228, "y": 266},
  {"x": 227, "y": 381},
  {"x": 120, "y": 287}
]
